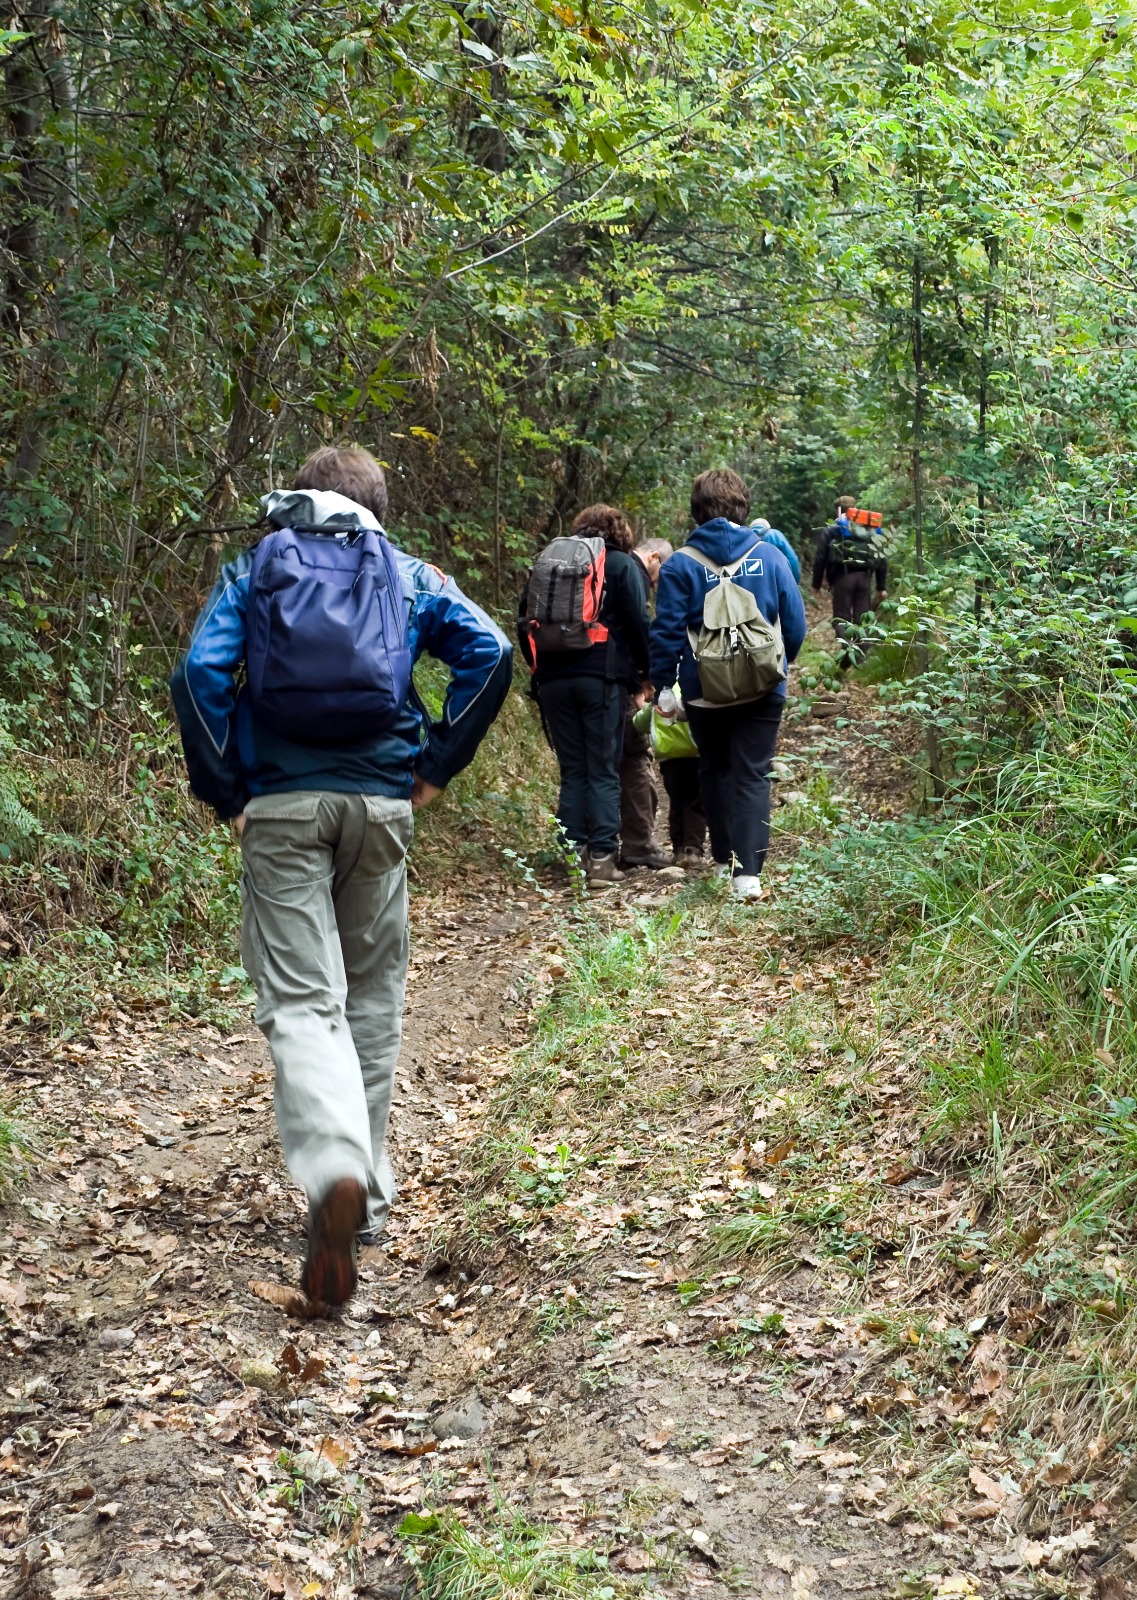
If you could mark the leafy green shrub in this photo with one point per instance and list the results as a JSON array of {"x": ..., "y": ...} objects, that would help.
[{"x": 866, "y": 879}]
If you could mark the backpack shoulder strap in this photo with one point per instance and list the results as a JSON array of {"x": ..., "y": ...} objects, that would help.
[
  {"x": 736, "y": 566},
  {"x": 727, "y": 571},
  {"x": 704, "y": 561}
]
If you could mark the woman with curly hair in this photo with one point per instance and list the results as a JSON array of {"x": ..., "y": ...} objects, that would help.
[{"x": 583, "y": 691}]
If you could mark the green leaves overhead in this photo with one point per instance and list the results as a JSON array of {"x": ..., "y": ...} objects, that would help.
[{"x": 584, "y": 248}]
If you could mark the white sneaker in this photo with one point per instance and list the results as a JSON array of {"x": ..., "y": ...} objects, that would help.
[{"x": 746, "y": 887}]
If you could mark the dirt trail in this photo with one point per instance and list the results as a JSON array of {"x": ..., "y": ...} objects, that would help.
[{"x": 166, "y": 1431}]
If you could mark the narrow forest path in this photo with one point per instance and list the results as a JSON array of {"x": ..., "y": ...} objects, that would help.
[{"x": 659, "y": 1278}]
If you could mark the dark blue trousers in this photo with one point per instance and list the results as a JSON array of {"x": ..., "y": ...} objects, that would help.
[
  {"x": 585, "y": 719},
  {"x": 736, "y": 751}
]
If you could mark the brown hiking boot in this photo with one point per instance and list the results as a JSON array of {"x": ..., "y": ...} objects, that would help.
[
  {"x": 330, "y": 1272},
  {"x": 690, "y": 859},
  {"x": 603, "y": 869}
]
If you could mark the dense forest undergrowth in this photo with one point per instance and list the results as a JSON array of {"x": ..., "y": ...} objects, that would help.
[{"x": 548, "y": 254}]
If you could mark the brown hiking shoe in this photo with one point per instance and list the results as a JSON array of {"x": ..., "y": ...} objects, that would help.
[
  {"x": 330, "y": 1272},
  {"x": 690, "y": 860},
  {"x": 603, "y": 869}
]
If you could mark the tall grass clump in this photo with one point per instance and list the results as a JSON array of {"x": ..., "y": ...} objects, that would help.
[
  {"x": 1008, "y": 917},
  {"x": 116, "y": 887},
  {"x": 1017, "y": 914}
]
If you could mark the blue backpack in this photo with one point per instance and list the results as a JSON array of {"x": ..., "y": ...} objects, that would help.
[{"x": 327, "y": 658}]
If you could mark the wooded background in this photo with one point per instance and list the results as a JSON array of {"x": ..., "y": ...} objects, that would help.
[{"x": 537, "y": 255}]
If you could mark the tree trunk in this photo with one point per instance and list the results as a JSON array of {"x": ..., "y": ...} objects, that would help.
[
  {"x": 497, "y": 557},
  {"x": 248, "y": 423},
  {"x": 931, "y": 737},
  {"x": 46, "y": 184},
  {"x": 991, "y": 245},
  {"x": 124, "y": 580}
]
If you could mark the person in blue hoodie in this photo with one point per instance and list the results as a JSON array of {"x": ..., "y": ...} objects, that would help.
[
  {"x": 736, "y": 742},
  {"x": 324, "y": 831},
  {"x": 776, "y": 537}
]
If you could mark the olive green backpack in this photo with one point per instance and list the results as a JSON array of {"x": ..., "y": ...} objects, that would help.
[{"x": 738, "y": 652}]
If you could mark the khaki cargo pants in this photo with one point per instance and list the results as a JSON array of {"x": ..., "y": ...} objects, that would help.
[{"x": 324, "y": 938}]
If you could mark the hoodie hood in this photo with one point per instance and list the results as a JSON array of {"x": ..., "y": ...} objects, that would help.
[
  {"x": 724, "y": 541},
  {"x": 307, "y": 509}
]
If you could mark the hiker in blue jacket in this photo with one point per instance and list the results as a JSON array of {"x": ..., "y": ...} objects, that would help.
[
  {"x": 325, "y": 821},
  {"x": 777, "y": 538},
  {"x": 736, "y": 742}
]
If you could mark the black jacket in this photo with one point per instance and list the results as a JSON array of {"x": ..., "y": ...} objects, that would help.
[
  {"x": 623, "y": 656},
  {"x": 828, "y": 566}
]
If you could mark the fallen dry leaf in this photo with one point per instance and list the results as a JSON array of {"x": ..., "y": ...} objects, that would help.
[
  {"x": 291, "y": 1301},
  {"x": 989, "y": 1488},
  {"x": 954, "y": 1585}
]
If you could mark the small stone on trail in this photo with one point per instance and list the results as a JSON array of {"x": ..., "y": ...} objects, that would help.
[
  {"x": 314, "y": 1468},
  {"x": 116, "y": 1338},
  {"x": 671, "y": 874},
  {"x": 464, "y": 1420},
  {"x": 261, "y": 1375}
]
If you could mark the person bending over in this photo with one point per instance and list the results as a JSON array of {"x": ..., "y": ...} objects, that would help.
[{"x": 639, "y": 796}]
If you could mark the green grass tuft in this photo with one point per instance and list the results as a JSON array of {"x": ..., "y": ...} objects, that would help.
[
  {"x": 511, "y": 1559},
  {"x": 15, "y": 1147}
]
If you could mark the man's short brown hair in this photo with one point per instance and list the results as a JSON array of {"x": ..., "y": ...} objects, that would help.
[
  {"x": 719, "y": 493},
  {"x": 349, "y": 471},
  {"x": 847, "y": 502},
  {"x": 605, "y": 522}
]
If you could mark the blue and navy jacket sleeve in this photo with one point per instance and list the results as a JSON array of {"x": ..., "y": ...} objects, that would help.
[
  {"x": 791, "y": 609},
  {"x": 777, "y": 538},
  {"x": 204, "y": 688},
  {"x": 448, "y": 625},
  {"x": 673, "y": 605}
]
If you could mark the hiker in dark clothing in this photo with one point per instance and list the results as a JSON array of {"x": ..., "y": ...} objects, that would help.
[
  {"x": 583, "y": 692},
  {"x": 852, "y": 561},
  {"x": 639, "y": 796}
]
